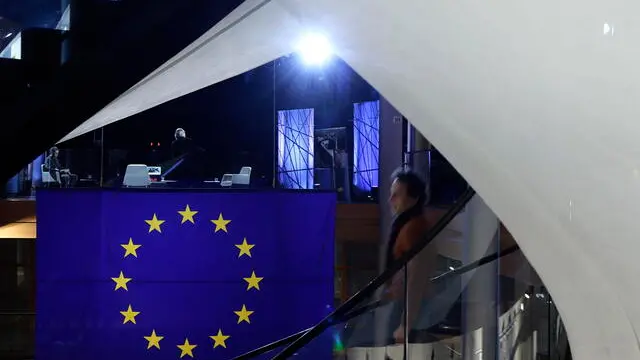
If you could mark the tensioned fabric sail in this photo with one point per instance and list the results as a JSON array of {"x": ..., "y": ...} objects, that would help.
[
  {"x": 535, "y": 104},
  {"x": 231, "y": 47}
]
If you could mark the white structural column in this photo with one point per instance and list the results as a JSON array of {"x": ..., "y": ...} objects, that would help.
[{"x": 480, "y": 315}]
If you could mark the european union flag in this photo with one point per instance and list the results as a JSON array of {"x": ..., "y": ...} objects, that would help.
[{"x": 166, "y": 275}]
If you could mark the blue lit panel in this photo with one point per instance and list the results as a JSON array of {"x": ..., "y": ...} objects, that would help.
[
  {"x": 295, "y": 148},
  {"x": 32, "y": 173},
  {"x": 366, "y": 144},
  {"x": 36, "y": 170}
]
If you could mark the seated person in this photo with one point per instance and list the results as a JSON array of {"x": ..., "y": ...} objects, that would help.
[{"x": 63, "y": 177}]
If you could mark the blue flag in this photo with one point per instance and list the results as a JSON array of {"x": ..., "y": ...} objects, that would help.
[{"x": 168, "y": 275}]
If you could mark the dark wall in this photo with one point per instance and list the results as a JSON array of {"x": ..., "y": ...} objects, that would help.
[
  {"x": 40, "y": 61},
  {"x": 17, "y": 298},
  {"x": 14, "y": 81}
]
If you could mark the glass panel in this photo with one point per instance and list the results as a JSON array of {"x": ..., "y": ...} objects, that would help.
[
  {"x": 446, "y": 317},
  {"x": 295, "y": 148},
  {"x": 529, "y": 323},
  {"x": 324, "y": 122},
  {"x": 366, "y": 145},
  {"x": 368, "y": 334},
  {"x": 456, "y": 312},
  {"x": 446, "y": 325},
  {"x": 498, "y": 310}
]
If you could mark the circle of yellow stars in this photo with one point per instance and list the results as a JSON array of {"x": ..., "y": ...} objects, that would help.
[{"x": 131, "y": 250}]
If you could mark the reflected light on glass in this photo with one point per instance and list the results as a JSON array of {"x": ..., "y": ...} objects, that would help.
[{"x": 314, "y": 49}]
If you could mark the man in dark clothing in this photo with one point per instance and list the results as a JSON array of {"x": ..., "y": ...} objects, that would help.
[
  {"x": 182, "y": 145},
  {"x": 187, "y": 160},
  {"x": 63, "y": 177}
]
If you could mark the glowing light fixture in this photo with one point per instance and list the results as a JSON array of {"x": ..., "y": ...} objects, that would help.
[{"x": 314, "y": 49}]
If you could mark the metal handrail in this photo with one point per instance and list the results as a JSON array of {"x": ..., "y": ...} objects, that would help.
[
  {"x": 369, "y": 307},
  {"x": 370, "y": 289},
  {"x": 291, "y": 338}
]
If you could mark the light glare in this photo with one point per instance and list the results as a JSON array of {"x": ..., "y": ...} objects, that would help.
[{"x": 315, "y": 49}]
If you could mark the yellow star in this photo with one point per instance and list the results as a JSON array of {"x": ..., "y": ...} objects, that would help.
[
  {"x": 129, "y": 315},
  {"x": 243, "y": 315},
  {"x": 121, "y": 282},
  {"x": 154, "y": 340},
  {"x": 130, "y": 248},
  {"x": 187, "y": 215},
  {"x": 219, "y": 339},
  {"x": 186, "y": 348},
  {"x": 253, "y": 281},
  {"x": 245, "y": 249},
  {"x": 221, "y": 223},
  {"x": 154, "y": 223}
]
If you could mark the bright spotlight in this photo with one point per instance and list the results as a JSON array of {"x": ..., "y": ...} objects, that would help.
[{"x": 315, "y": 49}]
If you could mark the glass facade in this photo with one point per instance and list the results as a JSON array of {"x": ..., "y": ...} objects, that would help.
[
  {"x": 306, "y": 128},
  {"x": 475, "y": 296}
]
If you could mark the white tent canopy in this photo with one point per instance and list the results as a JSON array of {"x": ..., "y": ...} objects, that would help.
[{"x": 535, "y": 103}]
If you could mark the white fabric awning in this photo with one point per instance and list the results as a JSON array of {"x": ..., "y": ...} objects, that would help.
[
  {"x": 535, "y": 103},
  {"x": 231, "y": 47}
]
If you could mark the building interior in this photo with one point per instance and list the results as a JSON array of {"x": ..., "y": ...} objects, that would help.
[{"x": 519, "y": 118}]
